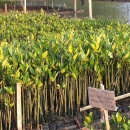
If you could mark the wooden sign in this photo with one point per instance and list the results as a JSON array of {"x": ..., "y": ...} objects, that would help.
[
  {"x": 19, "y": 107},
  {"x": 102, "y": 99}
]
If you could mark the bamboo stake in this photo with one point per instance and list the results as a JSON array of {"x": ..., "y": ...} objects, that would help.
[
  {"x": 38, "y": 106},
  {"x": 23, "y": 112},
  {"x": 46, "y": 100},
  {"x": 30, "y": 109},
  {"x": 1, "y": 121},
  {"x": 85, "y": 88},
  {"x": 71, "y": 95}
]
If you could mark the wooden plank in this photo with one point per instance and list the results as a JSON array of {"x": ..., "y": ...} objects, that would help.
[
  {"x": 101, "y": 98},
  {"x": 84, "y": 128},
  {"x": 68, "y": 128},
  {"x": 68, "y": 12},
  {"x": 122, "y": 96},
  {"x": 116, "y": 98}
]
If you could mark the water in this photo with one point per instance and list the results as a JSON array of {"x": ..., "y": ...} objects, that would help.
[{"x": 108, "y": 9}]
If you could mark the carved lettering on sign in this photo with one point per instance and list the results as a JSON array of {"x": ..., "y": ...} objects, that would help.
[{"x": 102, "y": 99}]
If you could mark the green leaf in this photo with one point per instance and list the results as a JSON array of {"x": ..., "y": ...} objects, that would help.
[
  {"x": 92, "y": 128},
  {"x": 83, "y": 55},
  {"x": 11, "y": 105},
  {"x": 129, "y": 123},
  {"x": 74, "y": 76},
  {"x": 58, "y": 86},
  {"x": 114, "y": 118},
  {"x": 1, "y": 90},
  {"x": 7, "y": 102},
  {"x": 126, "y": 55},
  {"x": 104, "y": 125},
  {"x": 11, "y": 51},
  {"x": 125, "y": 126},
  {"x": 44, "y": 55},
  {"x": 88, "y": 51},
  {"x": 17, "y": 74},
  {"x": 31, "y": 70},
  {"x": 40, "y": 84},
  {"x": 63, "y": 85},
  {"x": 87, "y": 119},
  {"x": 86, "y": 124},
  {"x": 110, "y": 54},
  {"x": 22, "y": 67},
  {"x": 25, "y": 77},
  {"x": 4, "y": 61},
  {"x": 70, "y": 49},
  {"x": 92, "y": 62},
  {"x": 63, "y": 70},
  {"x": 124, "y": 118},
  {"x": 75, "y": 56},
  {"x": 91, "y": 116},
  {"x": 10, "y": 90},
  {"x": 118, "y": 117}
]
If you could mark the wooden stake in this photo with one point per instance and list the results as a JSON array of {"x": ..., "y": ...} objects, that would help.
[
  {"x": 90, "y": 9},
  {"x": 14, "y": 8},
  {"x": 47, "y": 4},
  {"x": 75, "y": 6},
  {"x": 19, "y": 107},
  {"x": 24, "y": 6},
  {"x": 107, "y": 120},
  {"x": 6, "y": 8},
  {"x": 105, "y": 112},
  {"x": 44, "y": 3},
  {"x": 64, "y": 5},
  {"x": 75, "y": 15},
  {"x": 52, "y": 4}
]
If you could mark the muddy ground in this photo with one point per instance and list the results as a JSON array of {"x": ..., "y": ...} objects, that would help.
[{"x": 76, "y": 122}]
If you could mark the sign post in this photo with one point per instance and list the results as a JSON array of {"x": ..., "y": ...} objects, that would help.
[
  {"x": 109, "y": 104},
  {"x": 19, "y": 107},
  {"x": 103, "y": 99}
]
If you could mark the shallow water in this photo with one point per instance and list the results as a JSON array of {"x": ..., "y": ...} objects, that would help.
[{"x": 108, "y": 9}]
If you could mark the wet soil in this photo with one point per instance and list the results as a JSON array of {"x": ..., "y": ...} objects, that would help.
[
  {"x": 38, "y": 8},
  {"x": 76, "y": 122}
]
